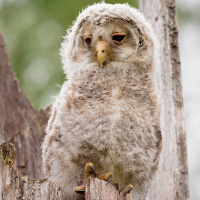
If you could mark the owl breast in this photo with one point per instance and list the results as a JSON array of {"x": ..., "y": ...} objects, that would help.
[{"x": 109, "y": 120}]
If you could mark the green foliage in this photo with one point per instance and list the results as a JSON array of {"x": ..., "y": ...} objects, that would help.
[{"x": 33, "y": 30}]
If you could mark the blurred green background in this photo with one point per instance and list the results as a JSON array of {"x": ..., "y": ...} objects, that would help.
[{"x": 34, "y": 30}]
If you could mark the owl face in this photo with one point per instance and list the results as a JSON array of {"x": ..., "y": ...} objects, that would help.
[
  {"x": 104, "y": 35},
  {"x": 111, "y": 41}
]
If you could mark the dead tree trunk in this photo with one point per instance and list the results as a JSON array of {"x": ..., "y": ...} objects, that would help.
[
  {"x": 171, "y": 181},
  {"x": 23, "y": 126},
  {"x": 20, "y": 123}
]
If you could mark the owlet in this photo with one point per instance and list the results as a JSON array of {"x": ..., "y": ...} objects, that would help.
[{"x": 107, "y": 114}]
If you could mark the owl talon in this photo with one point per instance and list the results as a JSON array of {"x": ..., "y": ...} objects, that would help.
[
  {"x": 109, "y": 179},
  {"x": 117, "y": 186},
  {"x": 80, "y": 190},
  {"x": 89, "y": 169},
  {"x": 128, "y": 189},
  {"x": 93, "y": 171},
  {"x": 106, "y": 177}
]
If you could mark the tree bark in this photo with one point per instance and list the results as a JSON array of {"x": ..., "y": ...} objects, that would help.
[
  {"x": 97, "y": 189},
  {"x": 171, "y": 180},
  {"x": 15, "y": 186},
  {"x": 22, "y": 125}
]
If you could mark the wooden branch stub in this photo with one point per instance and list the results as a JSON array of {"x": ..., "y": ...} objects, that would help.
[{"x": 97, "y": 189}]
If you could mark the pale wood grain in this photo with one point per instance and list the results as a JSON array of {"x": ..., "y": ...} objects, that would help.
[{"x": 171, "y": 180}]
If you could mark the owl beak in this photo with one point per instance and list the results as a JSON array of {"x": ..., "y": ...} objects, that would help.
[{"x": 101, "y": 52}]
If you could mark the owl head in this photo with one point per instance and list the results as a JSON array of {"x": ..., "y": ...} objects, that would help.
[{"x": 105, "y": 33}]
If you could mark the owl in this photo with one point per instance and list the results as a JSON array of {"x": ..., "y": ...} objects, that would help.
[{"x": 107, "y": 114}]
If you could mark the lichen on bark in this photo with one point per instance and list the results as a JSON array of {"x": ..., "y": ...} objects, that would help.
[{"x": 7, "y": 152}]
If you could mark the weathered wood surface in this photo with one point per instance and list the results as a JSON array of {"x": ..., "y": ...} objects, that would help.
[
  {"x": 14, "y": 186},
  {"x": 20, "y": 123},
  {"x": 171, "y": 180},
  {"x": 98, "y": 190}
]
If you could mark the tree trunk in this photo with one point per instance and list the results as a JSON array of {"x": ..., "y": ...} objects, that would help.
[
  {"x": 23, "y": 126},
  {"x": 20, "y": 123},
  {"x": 171, "y": 180}
]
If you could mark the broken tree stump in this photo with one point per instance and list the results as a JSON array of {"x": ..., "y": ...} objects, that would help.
[{"x": 16, "y": 186}]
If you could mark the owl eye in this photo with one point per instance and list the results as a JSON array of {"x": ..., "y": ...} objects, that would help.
[
  {"x": 88, "y": 40},
  {"x": 118, "y": 38}
]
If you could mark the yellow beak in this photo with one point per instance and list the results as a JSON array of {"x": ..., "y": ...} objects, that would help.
[{"x": 101, "y": 52}]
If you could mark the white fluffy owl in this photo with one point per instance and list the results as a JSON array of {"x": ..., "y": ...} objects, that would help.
[{"x": 107, "y": 112}]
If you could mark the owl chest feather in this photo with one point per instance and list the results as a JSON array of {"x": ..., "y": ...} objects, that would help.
[{"x": 108, "y": 117}]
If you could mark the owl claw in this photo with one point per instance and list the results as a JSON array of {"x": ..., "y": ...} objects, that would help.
[
  {"x": 106, "y": 177},
  {"x": 89, "y": 169},
  {"x": 117, "y": 186},
  {"x": 93, "y": 170},
  {"x": 128, "y": 189},
  {"x": 109, "y": 179},
  {"x": 80, "y": 190}
]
